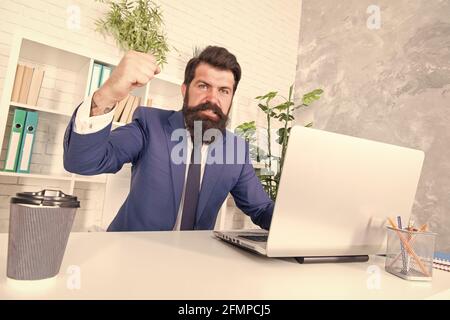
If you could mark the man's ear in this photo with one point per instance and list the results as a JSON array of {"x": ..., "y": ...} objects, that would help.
[{"x": 183, "y": 90}]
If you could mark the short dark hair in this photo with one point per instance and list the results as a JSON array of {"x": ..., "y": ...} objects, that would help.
[{"x": 217, "y": 57}]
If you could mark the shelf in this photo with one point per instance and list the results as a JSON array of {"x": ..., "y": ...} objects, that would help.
[
  {"x": 52, "y": 177},
  {"x": 258, "y": 165},
  {"x": 78, "y": 178},
  {"x": 50, "y": 54},
  {"x": 169, "y": 79},
  {"x": 27, "y": 106},
  {"x": 35, "y": 176}
]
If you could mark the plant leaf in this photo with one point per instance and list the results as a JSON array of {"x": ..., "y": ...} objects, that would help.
[
  {"x": 312, "y": 96},
  {"x": 136, "y": 25},
  {"x": 282, "y": 135},
  {"x": 268, "y": 96},
  {"x": 284, "y": 117},
  {"x": 290, "y": 92},
  {"x": 263, "y": 107},
  {"x": 284, "y": 105}
]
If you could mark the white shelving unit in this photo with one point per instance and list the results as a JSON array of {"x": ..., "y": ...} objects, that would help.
[
  {"x": 37, "y": 108},
  {"x": 65, "y": 85},
  {"x": 37, "y": 176}
]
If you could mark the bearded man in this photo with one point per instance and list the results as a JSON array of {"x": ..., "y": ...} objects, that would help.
[{"x": 166, "y": 193}]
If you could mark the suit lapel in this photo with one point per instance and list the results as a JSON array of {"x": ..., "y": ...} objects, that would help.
[{"x": 176, "y": 121}]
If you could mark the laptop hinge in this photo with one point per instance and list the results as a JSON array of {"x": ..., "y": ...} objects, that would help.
[{"x": 333, "y": 259}]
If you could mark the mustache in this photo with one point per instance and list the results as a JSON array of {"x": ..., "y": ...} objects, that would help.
[
  {"x": 191, "y": 114},
  {"x": 206, "y": 106}
]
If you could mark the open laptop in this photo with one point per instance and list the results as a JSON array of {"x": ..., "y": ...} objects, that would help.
[{"x": 335, "y": 194}]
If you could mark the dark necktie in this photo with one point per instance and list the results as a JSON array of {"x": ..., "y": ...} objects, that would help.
[{"x": 191, "y": 192}]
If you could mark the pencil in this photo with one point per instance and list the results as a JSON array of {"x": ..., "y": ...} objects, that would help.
[
  {"x": 411, "y": 242},
  {"x": 404, "y": 258},
  {"x": 408, "y": 248}
]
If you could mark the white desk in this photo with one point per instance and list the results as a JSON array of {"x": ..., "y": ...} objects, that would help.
[{"x": 195, "y": 265}]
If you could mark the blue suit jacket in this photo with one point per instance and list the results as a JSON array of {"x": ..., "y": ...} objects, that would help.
[{"x": 156, "y": 182}]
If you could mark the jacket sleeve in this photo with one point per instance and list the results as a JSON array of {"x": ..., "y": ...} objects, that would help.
[
  {"x": 104, "y": 151},
  {"x": 250, "y": 197}
]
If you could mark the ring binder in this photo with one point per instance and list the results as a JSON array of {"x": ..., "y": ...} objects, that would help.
[
  {"x": 23, "y": 164},
  {"x": 15, "y": 140}
]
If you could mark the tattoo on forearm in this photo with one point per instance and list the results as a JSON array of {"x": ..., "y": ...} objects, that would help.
[{"x": 95, "y": 109}]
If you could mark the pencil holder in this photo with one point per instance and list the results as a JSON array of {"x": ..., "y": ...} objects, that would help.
[{"x": 410, "y": 254}]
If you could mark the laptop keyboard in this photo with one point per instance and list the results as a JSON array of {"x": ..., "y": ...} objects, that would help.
[{"x": 262, "y": 238}]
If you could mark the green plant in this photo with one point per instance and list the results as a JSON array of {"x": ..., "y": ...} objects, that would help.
[
  {"x": 283, "y": 112},
  {"x": 136, "y": 25},
  {"x": 247, "y": 130},
  {"x": 196, "y": 51}
]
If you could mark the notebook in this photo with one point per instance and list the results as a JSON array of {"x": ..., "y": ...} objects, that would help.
[{"x": 441, "y": 261}]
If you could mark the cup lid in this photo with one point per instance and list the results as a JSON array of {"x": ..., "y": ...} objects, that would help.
[{"x": 46, "y": 197}]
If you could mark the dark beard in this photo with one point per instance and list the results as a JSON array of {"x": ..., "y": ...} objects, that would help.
[{"x": 192, "y": 114}]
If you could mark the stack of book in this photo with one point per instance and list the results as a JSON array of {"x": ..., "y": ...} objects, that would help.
[
  {"x": 441, "y": 261},
  {"x": 21, "y": 140},
  {"x": 124, "y": 109},
  {"x": 27, "y": 84}
]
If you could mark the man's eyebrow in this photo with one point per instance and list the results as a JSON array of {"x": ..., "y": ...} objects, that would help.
[
  {"x": 226, "y": 87},
  {"x": 203, "y": 81},
  {"x": 209, "y": 84}
]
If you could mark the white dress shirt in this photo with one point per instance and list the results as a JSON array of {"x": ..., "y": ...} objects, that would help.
[{"x": 85, "y": 124}]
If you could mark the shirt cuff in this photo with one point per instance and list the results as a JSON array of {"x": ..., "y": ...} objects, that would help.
[{"x": 84, "y": 124}]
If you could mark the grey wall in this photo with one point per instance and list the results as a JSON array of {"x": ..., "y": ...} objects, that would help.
[{"x": 390, "y": 84}]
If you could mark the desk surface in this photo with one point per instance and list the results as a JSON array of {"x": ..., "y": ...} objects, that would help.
[{"x": 195, "y": 265}]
